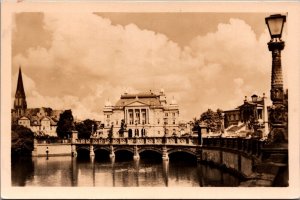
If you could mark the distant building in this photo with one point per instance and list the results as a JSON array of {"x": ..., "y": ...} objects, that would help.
[
  {"x": 239, "y": 119},
  {"x": 42, "y": 121},
  {"x": 20, "y": 104},
  {"x": 144, "y": 115}
]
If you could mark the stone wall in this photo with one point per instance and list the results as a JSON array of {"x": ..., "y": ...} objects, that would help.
[
  {"x": 246, "y": 165},
  {"x": 58, "y": 149},
  {"x": 232, "y": 160}
]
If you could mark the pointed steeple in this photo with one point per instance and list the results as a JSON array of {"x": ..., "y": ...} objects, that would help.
[
  {"x": 20, "y": 92},
  {"x": 20, "y": 104}
]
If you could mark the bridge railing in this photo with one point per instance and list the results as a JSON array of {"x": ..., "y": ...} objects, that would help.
[
  {"x": 249, "y": 146},
  {"x": 140, "y": 141}
]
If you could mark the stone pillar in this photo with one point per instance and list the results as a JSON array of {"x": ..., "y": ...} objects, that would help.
[
  {"x": 92, "y": 153},
  {"x": 74, "y": 136},
  {"x": 199, "y": 154},
  {"x": 134, "y": 117},
  {"x": 165, "y": 164},
  {"x": 165, "y": 155},
  {"x": 278, "y": 111},
  {"x": 146, "y": 121},
  {"x": 73, "y": 150},
  {"x": 136, "y": 155},
  {"x": 112, "y": 152}
]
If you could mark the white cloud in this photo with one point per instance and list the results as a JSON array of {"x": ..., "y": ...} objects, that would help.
[{"x": 91, "y": 60}]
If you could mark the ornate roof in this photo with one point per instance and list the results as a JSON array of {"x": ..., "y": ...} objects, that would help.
[{"x": 148, "y": 98}]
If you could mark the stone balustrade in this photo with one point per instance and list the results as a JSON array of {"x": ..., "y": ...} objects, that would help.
[
  {"x": 140, "y": 141},
  {"x": 248, "y": 146}
]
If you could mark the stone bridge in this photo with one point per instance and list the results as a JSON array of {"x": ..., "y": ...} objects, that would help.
[
  {"x": 260, "y": 163},
  {"x": 163, "y": 146}
]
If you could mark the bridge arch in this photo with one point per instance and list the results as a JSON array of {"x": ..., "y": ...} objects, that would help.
[
  {"x": 185, "y": 150},
  {"x": 97, "y": 148},
  {"x": 130, "y": 149},
  {"x": 154, "y": 149},
  {"x": 84, "y": 147},
  {"x": 83, "y": 152}
]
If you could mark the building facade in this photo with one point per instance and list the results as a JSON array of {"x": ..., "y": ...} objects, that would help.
[
  {"x": 251, "y": 111},
  {"x": 41, "y": 121},
  {"x": 142, "y": 115}
]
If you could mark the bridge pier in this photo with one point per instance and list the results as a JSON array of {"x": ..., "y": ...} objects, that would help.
[
  {"x": 73, "y": 151},
  {"x": 92, "y": 153},
  {"x": 165, "y": 155},
  {"x": 199, "y": 154},
  {"x": 112, "y": 152},
  {"x": 136, "y": 155}
]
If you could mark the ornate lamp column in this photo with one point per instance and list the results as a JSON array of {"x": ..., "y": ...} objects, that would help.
[{"x": 278, "y": 111}]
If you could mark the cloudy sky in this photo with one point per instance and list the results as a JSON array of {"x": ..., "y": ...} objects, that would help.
[{"x": 79, "y": 60}]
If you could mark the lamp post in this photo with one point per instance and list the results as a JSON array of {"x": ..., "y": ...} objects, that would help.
[{"x": 278, "y": 111}]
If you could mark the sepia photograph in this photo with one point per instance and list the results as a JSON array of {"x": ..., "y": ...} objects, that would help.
[{"x": 139, "y": 98}]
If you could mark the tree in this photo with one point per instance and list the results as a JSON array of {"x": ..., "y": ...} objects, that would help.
[
  {"x": 86, "y": 128},
  {"x": 196, "y": 124},
  {"x": 21, "y": 140},
  {"x": 212, "y": 119},
  {"x": 65, "y": 125}
]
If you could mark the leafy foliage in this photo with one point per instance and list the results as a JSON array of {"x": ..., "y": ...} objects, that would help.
[
  {"x": 86, "y": 128},
  {"x": 21, "y": 140},
  {"x": 65, "y": 125},
  {"x": 212, "y": 119}
]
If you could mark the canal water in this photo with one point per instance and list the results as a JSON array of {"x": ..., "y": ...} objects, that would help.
[{"x": 147, "y": 172}]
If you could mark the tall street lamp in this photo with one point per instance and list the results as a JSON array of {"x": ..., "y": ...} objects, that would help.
[{"x": 278, "y": 111}]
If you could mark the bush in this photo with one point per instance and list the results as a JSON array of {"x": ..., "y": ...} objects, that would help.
[{"x": 21, "y": 140}]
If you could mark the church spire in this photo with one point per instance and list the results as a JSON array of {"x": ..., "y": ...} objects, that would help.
[
  {"x": 20, "y": 93},
  {"x": 20, "y": 104}
]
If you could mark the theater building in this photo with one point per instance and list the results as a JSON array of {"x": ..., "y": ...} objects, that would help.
[{"x": 143, "y": 114}]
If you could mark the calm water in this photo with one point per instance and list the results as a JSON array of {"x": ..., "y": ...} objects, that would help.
[{"x": 67, "y": 171}]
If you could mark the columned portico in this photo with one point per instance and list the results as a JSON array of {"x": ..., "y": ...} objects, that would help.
[{"x": 142, "y": 113}]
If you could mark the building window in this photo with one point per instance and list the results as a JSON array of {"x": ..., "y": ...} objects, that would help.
[
  {"x": 166, "y": 114},
  {"x": 173, "y": 114},
  {"x": 173, "y": 121},
  {"x": 117, "y": 122},
  {"x": 158, "y": 121},
  {"x": 107, "y": 116},
  {"x": 158, "y": 132},
  {"x": 237, "y": 117}
]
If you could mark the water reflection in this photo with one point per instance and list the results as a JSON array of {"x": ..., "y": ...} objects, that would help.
[{"x": 67, "y": 171}]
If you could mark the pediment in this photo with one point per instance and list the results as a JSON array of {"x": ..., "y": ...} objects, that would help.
[{"x": 137, "y": 103}]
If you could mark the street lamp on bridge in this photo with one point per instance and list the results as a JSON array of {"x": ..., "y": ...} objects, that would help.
[{"x": 278, "y": 111}]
